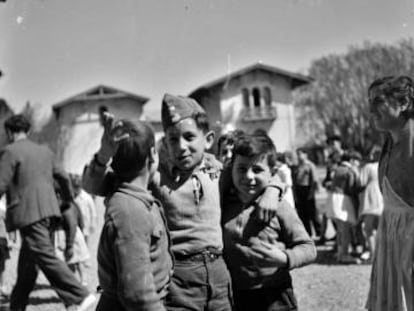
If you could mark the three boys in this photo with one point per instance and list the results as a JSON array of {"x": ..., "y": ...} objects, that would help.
[{"x": 188, "y": 187}]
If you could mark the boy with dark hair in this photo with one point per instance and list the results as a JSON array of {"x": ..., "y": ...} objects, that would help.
[
  {"x": 260, "y": 254},
  {"x": 188, "y": 187},
  {"x": 134, "y": 263}
]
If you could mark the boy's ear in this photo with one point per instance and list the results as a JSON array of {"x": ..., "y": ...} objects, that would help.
[
  {"x": 152, "y": 155},
  {"x": 209, "y": 137}
]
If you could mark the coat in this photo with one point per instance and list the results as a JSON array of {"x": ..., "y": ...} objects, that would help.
[{"x": 27, "y": 172}]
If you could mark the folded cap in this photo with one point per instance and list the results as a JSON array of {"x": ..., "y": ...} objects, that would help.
[{"x": 177, "y": 108}]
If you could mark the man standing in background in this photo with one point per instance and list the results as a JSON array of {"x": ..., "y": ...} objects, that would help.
[{"x": 304, "y": 187}]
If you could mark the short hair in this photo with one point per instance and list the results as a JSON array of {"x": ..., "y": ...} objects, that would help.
[
  {"x": 355, "y": 155},
  {"x": 17, "y": 123},
  {"x": 133, "y": 151},
  {"x": 400, "y": 88},
  {"x": 333, "y": 138},
  {"x": 256, "y": 145},
  {"x": 346, "y": 156},
  {"x": 302, "y": 150},
  {"x": 202, "y": 122}
]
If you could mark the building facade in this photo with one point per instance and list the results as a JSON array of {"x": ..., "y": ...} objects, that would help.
[
  {"x": 78, "y": 120},
  {"x": 255, "y": 97}
]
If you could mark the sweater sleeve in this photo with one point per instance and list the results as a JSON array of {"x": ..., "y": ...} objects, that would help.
[
  {"x": 300, "y": 248},
  {"x": 136, "y": 287}
]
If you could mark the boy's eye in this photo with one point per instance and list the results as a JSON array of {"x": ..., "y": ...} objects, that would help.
[
  {"x": 189, "y": 137},
  {"x": 257, "y": 170}
]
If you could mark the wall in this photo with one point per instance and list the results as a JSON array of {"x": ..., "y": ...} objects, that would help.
[
  {"x": 81, "y": 130},
  {"x": 224, "y": 104}
]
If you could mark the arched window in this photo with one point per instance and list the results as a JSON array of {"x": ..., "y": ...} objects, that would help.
[
  {"x": 246, "y": 98},
  {"x": 256, "y": 97},
  {"x": 267, "y": 95}
]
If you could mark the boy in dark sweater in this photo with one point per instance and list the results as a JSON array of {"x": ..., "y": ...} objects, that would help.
[
  {"x": 260, "y": 254},
  {"x": 134, "y": 263}
]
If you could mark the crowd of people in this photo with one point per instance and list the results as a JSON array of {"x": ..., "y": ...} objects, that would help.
[{"x": 188, "y": 230}]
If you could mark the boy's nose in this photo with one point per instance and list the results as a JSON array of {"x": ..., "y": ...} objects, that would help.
[
  {"x": 183, "y": 144},
  {"x": 249, "y": 174}
]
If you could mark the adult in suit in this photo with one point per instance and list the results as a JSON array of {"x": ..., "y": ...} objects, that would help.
[{"x": 27, "y": 174}]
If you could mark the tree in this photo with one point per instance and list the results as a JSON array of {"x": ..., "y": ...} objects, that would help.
[{"x": 336, "y": 102}]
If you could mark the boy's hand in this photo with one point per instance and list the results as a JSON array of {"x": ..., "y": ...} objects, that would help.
[
  {"x": 69, "y": 253},
  {"x": 111, "y": 137},
  {"x": 267, "y": 204},
  {"x": 268, "y": 255}
]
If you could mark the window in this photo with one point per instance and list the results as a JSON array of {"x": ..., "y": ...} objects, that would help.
[
  {"x": 256, "y": 97},
  {"x": 267, "y": 94},
  {"x": 246, "y": 98}
]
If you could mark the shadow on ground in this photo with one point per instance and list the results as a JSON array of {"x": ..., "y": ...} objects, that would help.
[{"x": 326, "y": 256}]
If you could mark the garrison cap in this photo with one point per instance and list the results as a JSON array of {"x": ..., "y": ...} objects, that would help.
[{"x": 177, "y": 108}]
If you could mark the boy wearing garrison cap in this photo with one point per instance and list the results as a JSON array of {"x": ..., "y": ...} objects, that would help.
[{"x": 188, "y": 187}]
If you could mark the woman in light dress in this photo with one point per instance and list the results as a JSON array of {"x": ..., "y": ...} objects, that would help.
[{"x": 391, "y": 101}]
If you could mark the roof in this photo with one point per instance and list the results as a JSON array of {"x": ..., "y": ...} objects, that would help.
[
  {"x": 100, "y": 92},
  {"x": 297, "y": 79}
]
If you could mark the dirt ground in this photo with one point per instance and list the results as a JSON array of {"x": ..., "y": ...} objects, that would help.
[{"x": 322, "y": 286}]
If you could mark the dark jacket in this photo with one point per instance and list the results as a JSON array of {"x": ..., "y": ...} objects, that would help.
[
  {"x": 27, "y": 172},
  {"x": 134, "y": 262},
  {"x": 285, "y": 231}
]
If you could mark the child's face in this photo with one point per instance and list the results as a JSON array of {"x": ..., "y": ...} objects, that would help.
[
  {"x": 250, "y": 176},
  {"x": 186, "y": 143}
]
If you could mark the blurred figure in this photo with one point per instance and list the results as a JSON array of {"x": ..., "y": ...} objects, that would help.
[
  {"x": 4, "y": 247},
  {"x": 371, "y": 202},
  {"x": 341, "y": 200},
  {"x": 304, "y": 187},
  {"x": 225, "y": 145},
  {"x": 87, "y": 207},
  {"x": 285, "y": 174}
]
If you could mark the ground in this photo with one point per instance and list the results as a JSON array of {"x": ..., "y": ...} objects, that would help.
[{"x": 322, "y": 286}]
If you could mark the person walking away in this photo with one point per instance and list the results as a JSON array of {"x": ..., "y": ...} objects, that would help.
[
  {"x": 391, "y": 104},
  {"x": 27, "y": 173}
]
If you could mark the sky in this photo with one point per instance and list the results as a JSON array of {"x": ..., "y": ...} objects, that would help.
[{"x": 53, "y": 49}]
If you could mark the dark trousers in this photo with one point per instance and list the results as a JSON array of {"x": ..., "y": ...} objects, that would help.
[
  {"x": 306, "y": 207},
  {"x": 200, "y": 285},
  {"x": 265, "y": 299},
  {"x": 36, "y": 252}
]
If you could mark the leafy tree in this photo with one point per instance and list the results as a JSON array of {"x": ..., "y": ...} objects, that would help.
[{"x": 336, "y": 102}]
